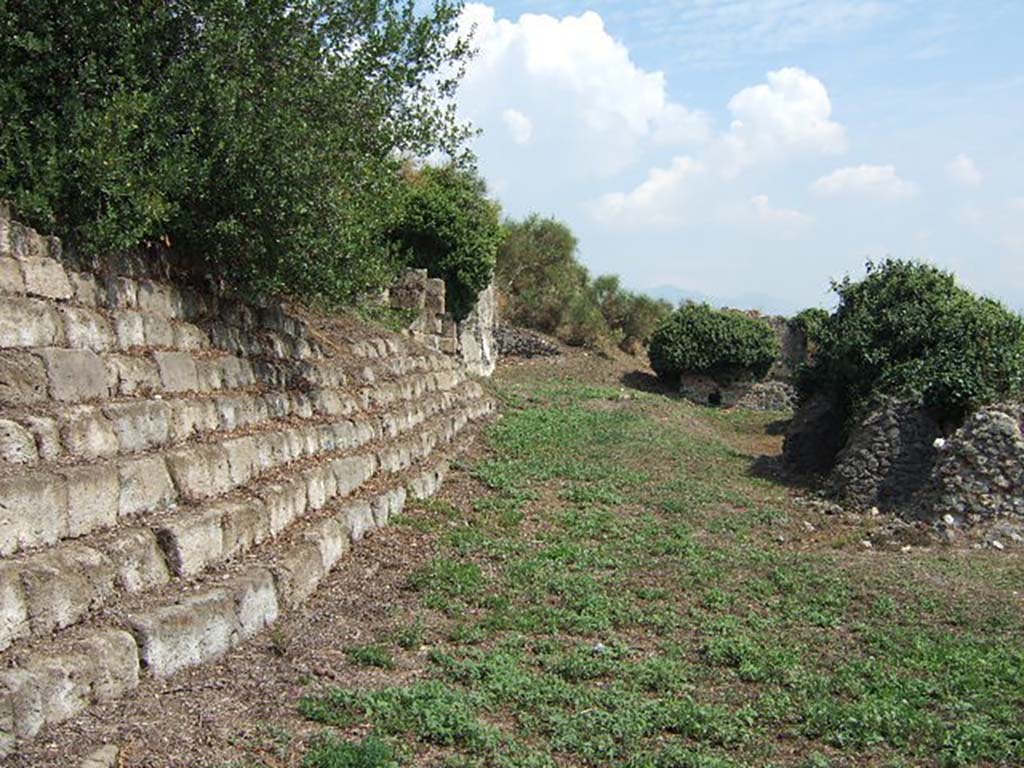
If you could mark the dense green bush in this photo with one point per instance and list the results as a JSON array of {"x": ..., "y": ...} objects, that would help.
[
  {"x": 546, "y": 288},
  {"x": 263, "y": 135},
  {"x": 811, "y": 322},
  {"x": 450, "y": 227},
  {"x": 720, "y": 343},
  {"x": 909, "y": 330}
]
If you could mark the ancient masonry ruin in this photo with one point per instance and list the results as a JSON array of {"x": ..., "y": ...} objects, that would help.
[{"x": 177, "y": 467}]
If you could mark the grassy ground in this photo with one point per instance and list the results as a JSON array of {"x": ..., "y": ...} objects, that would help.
[{"x": 614, "y": 586}]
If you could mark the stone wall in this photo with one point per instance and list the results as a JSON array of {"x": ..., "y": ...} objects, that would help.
[
  {"x": 178, "y": 467},
  {"x": 470, "y": 340},
  {"x": 980, "y": 469}
]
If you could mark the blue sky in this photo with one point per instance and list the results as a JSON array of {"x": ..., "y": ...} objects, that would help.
[{"x": 751, "y": 151}]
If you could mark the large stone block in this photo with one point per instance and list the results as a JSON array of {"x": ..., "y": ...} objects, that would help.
[
  {"x": 190, "y": 337},
  {"x": 352, "y": 471},
  {"x": 11, "y": 278},
  {"x": 129, "y": 329},
  {"x": 75, "y": 375},
  {"x": 63, "y": 585},
  {"x": 46, "y": 433},
  {"x": 243, "y": 461},
  {"x": 133, "y": 375},
  {"x": 177, "y": 371},
  {"x": 159, "y": 331},
  {"x": 93, "y": 497},
  {"x": 28, "y": 323},
  {"x": 145, "y": 486},
  {"x": 200, "y": 472},
  {"x": 87, "y": 434},
  {"x": 139, "y": 562},
  {"x": 388, "y": 505},
  {"x": 46, "y": 278},
  {"x": 255, "y": 599},
  {"x": 298, "y": 572},
  {"x": 14, "y": 623},
  {"x": 192, "y": 417},
  {"x": 358, "y": 519},
  {"x": 196, "y": 630},
  {"x": 86, "y": 288},
  {"x": 122, "y": 293},
  {"x": 285, "y": 503},
  {"x": 192, "y": 541},
  {"x": 244, "y": 525},
  {"x": 33, "y": 511},
  {"x": 159, "y": 299},
  {"x": 17, "y": 446},
  {"x": 86, "y": 329},
  {"x": 140, "y": 426}
]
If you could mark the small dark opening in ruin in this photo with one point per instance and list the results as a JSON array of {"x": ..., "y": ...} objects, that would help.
[{"x": 715, "y": 398}]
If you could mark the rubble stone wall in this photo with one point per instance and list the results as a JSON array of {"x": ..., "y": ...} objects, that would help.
[
  {"x": 178, "y": 467},
  {"x": 470, "y": 340}
]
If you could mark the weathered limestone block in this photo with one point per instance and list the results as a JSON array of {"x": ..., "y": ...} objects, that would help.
[
  {"x": 122, "y": 293},
  {"x": 96, "y": 667},
  {"x": 242, "y": 457},
  {"x": 25, "y": 243},
  {"x": 145, "y": 485},
  {"x": 177, "y": 371},
  {"x": 12, "y": 280},
  {"x": 129, "y": 329},
  {"x": 426, "y": 484},
  {"x": 358, "y": 520},
  {"x": 159, "y": 299},
  {"x": 75, "y": 375},
  {"x": 87, "y": 329},
  {"x": 86, "y": 433},
  {"x": 14, "y": 623},
  {"x": 139, "y": 562},
  {"x": 198, "y": 629},
  {"x": 139, "y": 426},
  {"x": 63, "y": 585},
  {"x": 352, "y": 471},
  {"x": 285, "y": 503},
  {"x": 93, "y": 497},
  {"x": 33, "y": 511},
  {"x": 387, "y": 505},
  {"x": 192, "y": 417},
  {"x": 193, "y": 541},
  {"x": 201, "y": 472},
  {"x": 28, "y": 323},
  {"x": 22, "y": 379},
  {"x": 159, "y": 331},
  {"x": 46, "y": 278},
  {"x": 331, "y": 538},
  {"x": 104, "y": 757},
  {"x": 46, "y": 433},
  {"x": 86, "y": 288},
  {"x": 133, "y": 375},
  {"x": 17, "y": 446},
  {"x": 190, "y": 337},
  {"x": 298, "y": 572},
  {"x": 244, "y": 525},
  {"x": 255, "y": 600}
]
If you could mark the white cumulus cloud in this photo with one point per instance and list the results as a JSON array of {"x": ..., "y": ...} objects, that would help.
[
  {"x": 791, "y": 112},
  {"x": 659, "y": 200},
  {"x": 520, "y": 128},
  {"x": 963, "y": 170},
  {"x": 875, "y": 181},
  {"x": 579, "y": 85},
  {"x": 786, "y": 220}
]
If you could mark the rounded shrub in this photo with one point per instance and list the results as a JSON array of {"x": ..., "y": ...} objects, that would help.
[
  {"x": 908, "y": 330},
  {"x": 720, "y": 343},
  {"x": 450, "y": 227}
]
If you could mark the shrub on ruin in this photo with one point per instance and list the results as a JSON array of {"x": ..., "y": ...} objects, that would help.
[
  {"x": 908, "y": 330},
  {"x": 722, "y": 343},
  {"x": 265, "y": 137},
  {"x": 450, "y": 227}
]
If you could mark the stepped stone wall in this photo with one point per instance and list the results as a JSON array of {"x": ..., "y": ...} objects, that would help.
[{"x": 177, "y": 467}]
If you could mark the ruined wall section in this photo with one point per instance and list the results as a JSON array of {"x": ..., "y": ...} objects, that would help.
[{"x": 178, "y": 467}]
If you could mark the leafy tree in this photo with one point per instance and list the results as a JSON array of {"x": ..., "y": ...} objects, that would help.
[
  {"x": 449, "y": 226},
  {"x": 721, "y": 343},
  {"x": 263, "y": 135},
  {"x": 908, "y": 330}
]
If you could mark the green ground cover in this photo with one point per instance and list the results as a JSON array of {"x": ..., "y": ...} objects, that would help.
[{"x": 624, "y": 591}]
